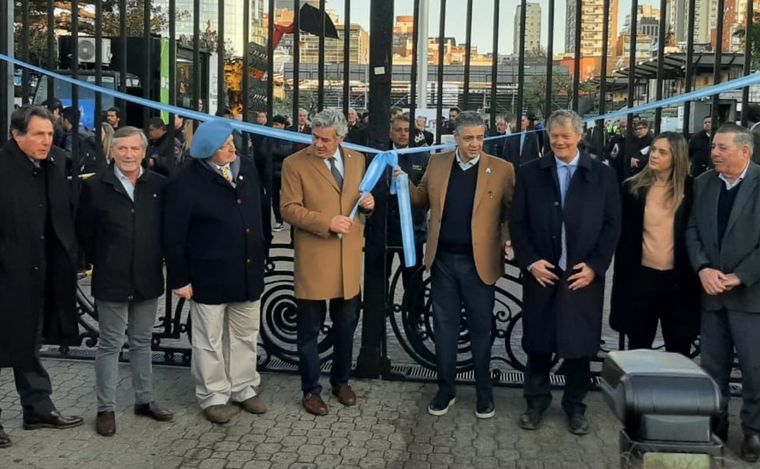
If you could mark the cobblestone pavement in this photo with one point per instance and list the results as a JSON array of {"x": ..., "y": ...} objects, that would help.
[{"x": 389, "y": 428}]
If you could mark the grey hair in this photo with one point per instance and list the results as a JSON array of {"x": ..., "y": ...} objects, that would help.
[
  {"x": 300, "y": 110},
  {"x": 561, "y": 116},
  {"x": 129, "y": 131},
  {"x": 468, "y": 119},
  {"x": 330, "y": 118},
  {"x": 742, "y": 135}
]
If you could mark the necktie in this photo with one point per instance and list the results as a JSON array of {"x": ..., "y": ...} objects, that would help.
[
  {"x": 336, "y": 174},
  {"x": 226, "y": 173},
  {"x": 522, "y": 143},
  {"x": 565, "y": 175}
]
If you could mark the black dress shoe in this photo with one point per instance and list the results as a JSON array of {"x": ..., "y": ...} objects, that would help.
[
  {"x": 750, "y": 449},
  {"x": 531, "y": 419},
  {"x": 577, "y": 424},
  {"x": 51, "y": 420},
  {"x": 154, "y": 411},
  {"x": 5, "y": 440}
]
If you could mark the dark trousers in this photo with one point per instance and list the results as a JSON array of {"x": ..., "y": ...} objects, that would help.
[
  {"x": 344, "y": 315},
  {"x": 276, "y": 185},
  {"x": 34, "y": 389},
  {"x": 656, "y": 302},
  {"x": 723, "y": 332},
  {"x": 537, "y": 389},
  {"x": 411, "y": 278},
  {"x": 456, "y": 285}
]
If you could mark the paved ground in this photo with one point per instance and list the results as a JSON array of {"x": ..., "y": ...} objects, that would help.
[{"x": 388, "y": 428}]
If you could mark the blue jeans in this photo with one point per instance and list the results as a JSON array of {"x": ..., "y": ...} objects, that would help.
[
  {"x": 456, "y": 284},
  {"x": 137, "y": 318}
]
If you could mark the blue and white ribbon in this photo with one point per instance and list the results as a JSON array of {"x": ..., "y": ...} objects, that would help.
[{"x": 384, "y": 159}]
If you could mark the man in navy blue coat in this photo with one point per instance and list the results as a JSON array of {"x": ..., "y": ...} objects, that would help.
[
  {"x": 565, "y": 227},
  {"x": 216, "y": 233}
]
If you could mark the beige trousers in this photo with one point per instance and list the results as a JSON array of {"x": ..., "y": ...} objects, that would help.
[{"x": 224, "y": 351}]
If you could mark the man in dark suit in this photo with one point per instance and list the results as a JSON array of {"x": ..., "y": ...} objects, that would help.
[
  {"x": 700, "y": 146},
  {"x": 637, "y": 153},
  {"x": 565, "y": 226},
  {"x": 216, "y": 237},
  {"x": 120, "y": 212},
  {"x": 38, "y": 259},
  {"x": 383, "y": 229},
  {"x": 469, "y": 194},
  {"x": 496, "y": 147},
  {"x": 357, "y": 131},
  {"x": 302, "y": 127},
  {"x": 723, "y": 239},
  {"x": 753, "y": 121},
  {"x": 522, "y": 147}
]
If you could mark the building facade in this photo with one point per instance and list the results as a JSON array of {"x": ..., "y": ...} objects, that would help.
[{"x": 532, "y": 29}]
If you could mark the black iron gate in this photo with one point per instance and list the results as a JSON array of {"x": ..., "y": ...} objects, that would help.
[{"x": 163, "y": 49}]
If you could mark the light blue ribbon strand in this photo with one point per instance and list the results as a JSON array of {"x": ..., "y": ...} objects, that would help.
[
  {"x": 399, "y": 187},
  {"x": 383, "y": 159}
]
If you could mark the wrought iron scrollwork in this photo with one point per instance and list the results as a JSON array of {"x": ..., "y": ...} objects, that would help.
[
  {"x": 279, "y": 313},
  {"x": 413, "y": 328}
]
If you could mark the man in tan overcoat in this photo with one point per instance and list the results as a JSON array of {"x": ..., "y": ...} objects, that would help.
[
  {"x": 469, "y": 194},
  {"x": 320, "y": 188}
]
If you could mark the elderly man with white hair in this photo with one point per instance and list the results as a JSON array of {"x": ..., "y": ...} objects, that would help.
[
  {"x": 216, "y": 235},
  {"x": 320, "y": 187}
]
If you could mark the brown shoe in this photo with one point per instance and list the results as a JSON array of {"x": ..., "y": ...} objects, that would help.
[
  {"x": 254, "y": 405},
  {"x": 154, "y": 411},
  {"x": 221, "y": 413},
  {"x": 105, "y": 423},
  {"x": 345, "y": 395},
  {"x": 314, "y": 404}
]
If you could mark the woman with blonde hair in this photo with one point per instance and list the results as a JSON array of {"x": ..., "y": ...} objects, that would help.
[
  {"x": 106, "y": 139},
  {"x": 653, "y": 280}
]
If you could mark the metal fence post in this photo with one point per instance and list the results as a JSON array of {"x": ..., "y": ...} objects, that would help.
[
  {"x": 6, "y": 69},
  {"x": 372, "y": 360}
]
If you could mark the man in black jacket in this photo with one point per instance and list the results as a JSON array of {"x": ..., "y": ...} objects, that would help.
[
  {"x": 216, "y": 237},
  {"x": 38, "y": 258},
  {"x": 637, "y": 153},
  {"x": 565, "y": 225},
  {"x": 357, "y": 131},
  {"x": 700, "y": 146},
  {"x": 119, "y": 228},
  {"x": 383, "y": 229},
  {"x": 522, "y": 147},
  {"x": 86, "y": 157},
  {"x": 164, "y": 150}
]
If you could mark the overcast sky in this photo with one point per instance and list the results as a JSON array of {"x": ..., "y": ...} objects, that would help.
[{"x": 482, "y": 32}]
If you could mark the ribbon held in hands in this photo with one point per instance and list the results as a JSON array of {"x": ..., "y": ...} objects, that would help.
[{"x": 399, "y": 187}]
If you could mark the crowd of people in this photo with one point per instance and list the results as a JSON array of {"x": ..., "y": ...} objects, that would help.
[{"x": 679, "y": 218}]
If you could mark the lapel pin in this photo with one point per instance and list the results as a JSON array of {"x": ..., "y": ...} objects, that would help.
[
  {"x": 489, "y": 170},
  {"x": 155, "y": 195},
  {"x": 240, "y": 178}
]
